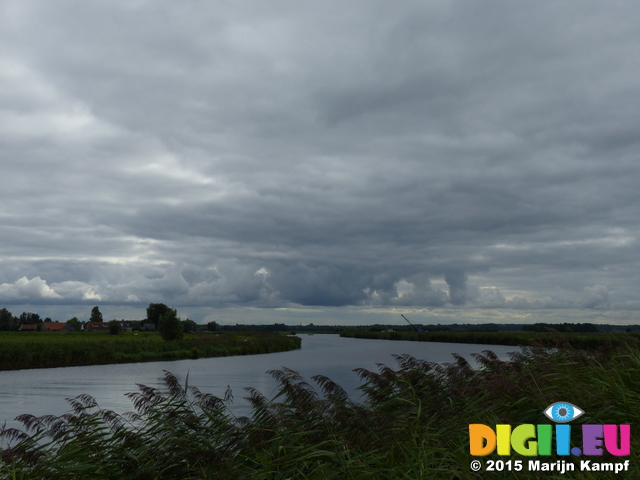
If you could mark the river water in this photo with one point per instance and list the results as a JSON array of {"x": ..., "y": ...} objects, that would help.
[{"x": 43, "y": 391}]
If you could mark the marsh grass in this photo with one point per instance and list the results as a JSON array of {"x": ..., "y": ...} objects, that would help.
[
  {"x": 412, "y": 424},
  {"x": 47, "y": 349},
  {"x": 581, "y": 340}
]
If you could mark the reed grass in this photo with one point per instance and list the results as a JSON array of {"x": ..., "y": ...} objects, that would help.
[
  {"x": 588, "y": 341},
  {"x": 45, "y": 349},
  {"x": 412, "y": 424}
]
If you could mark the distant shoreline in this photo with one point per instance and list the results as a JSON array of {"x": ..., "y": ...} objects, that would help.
[{"x": 585, "y": 341}]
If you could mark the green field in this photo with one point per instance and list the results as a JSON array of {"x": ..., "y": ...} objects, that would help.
[{"x": 59, "y": 349}]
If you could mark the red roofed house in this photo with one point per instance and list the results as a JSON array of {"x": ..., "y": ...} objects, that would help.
[
  {"x": 29, "y": 327},
  {"x": 54, "y": 327},
  {"x": 96, "y": 326}
]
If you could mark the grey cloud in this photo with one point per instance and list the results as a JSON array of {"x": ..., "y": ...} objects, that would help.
[
  {"x": 596, "y": 297},
  {"x": 457, "y": 282},
  {"x": 154, "y": 151},
  {"x": 519, "y": 303},
  {"x": 489, "y": 298},
  {"x": 422, "y": 293}
]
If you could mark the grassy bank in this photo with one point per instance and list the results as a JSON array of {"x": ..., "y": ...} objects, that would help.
[
  {"x": 413, "y": 423},
  {"x": 588, "y": 341},
  {"x": 46, "y": 349}
]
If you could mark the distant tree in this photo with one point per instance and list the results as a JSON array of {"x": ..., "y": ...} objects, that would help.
[
  {"x": 28, "y": 318},
  {"x": 96, "y": 316},
  {"x": 189, "y": 326},
  {"x": 170, "y": 326},
  {"x": 115, "y": 327},
  {"x": 155, "y": 311},
  {"x": 7, "y": 321},
  {"x": 212, "y": 326},
  {"x": 75, "y": 322}
]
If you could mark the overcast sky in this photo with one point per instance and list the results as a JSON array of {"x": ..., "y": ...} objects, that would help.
[{"x": 333, "y": 161}]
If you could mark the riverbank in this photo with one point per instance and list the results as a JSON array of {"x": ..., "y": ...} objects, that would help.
[
  {"x": 585, "y": 341},
  {"x": 20, "y": 350}
]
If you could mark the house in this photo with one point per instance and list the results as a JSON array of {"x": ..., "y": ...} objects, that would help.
[
  {"x": 55, "y": 327},
  {"x": 148, "y": 327},
  {"x": 126, "y": 326},
  {"x": 96, "y": 326},
  {"x": 28, "y": 327}
]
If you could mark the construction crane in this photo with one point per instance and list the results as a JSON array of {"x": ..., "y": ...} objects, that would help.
[{"x": 414, "y": 327}]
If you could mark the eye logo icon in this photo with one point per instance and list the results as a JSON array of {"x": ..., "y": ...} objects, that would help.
[{"x": 563, "y": 412}]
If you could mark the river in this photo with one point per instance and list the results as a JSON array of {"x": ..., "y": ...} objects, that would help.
[{"x": 43, "y": 391}]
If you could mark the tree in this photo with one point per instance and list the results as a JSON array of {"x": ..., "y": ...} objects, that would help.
[
  {"x": 75, "y": 322},
  {"x": 189, "y": 326},
  {"x": 96, "y": 316},
  {"x": 7, "y": 321},
  {"x": 212, "y": 326},
  {"x": 115, "y": 327},
  {"x": 28, "y": 318},
  {"x": 170, "y": 326},
  {"x": 155, "y": 311}
]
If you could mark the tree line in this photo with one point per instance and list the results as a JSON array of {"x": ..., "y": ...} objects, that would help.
[
  {"x": 8, "y": 322},
  {"x": 164, "y": 319},
  {"x": 561, "y": 327}
]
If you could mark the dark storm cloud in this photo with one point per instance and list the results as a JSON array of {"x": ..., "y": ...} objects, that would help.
[
  {"x": 457, "y": 282},
  {"x": 429, "y": 154}
]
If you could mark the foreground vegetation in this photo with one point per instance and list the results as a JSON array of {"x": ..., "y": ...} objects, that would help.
[
  {"x": 38, "y": 350},
  {"x": 588, "y": 341},
  {"x": 413, "y": 423}
]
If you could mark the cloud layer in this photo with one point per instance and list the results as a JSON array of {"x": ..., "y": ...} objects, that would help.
[{"x": 216, "y": 154}]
